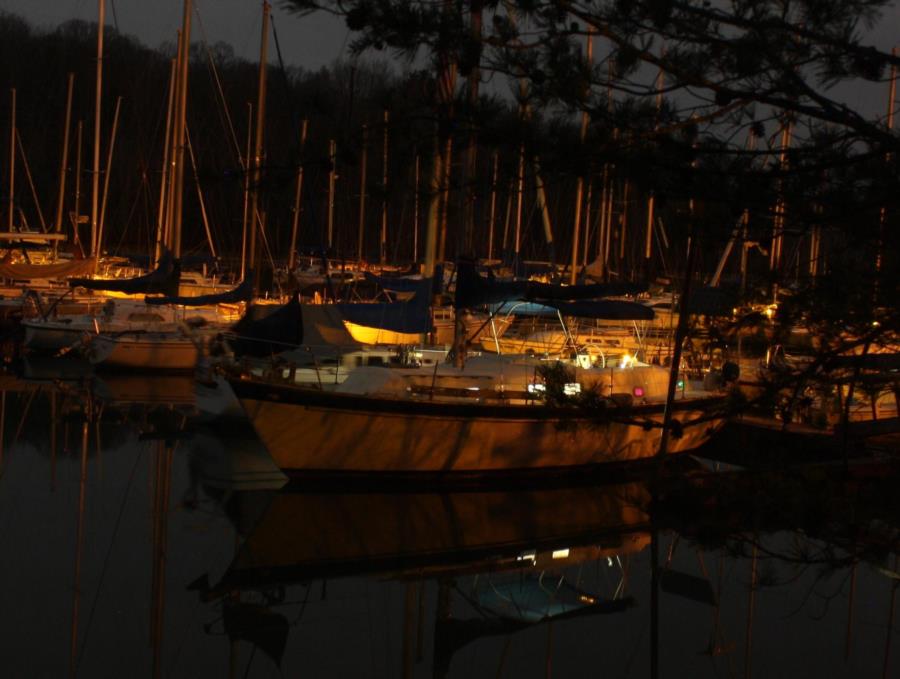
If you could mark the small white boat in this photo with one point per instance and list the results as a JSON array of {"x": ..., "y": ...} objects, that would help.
[
  {"x": 163, "y": 351},
  {"x": 63, "y": 332}
]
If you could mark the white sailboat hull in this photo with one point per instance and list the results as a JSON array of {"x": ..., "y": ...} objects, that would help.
[{"x": 144, "y": 352}]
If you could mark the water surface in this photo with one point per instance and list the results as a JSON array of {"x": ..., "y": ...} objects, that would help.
[{"x": 140, "y": 540}]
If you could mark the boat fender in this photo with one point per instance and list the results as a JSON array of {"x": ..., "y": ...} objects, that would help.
[{"x": 677, "y": 428}]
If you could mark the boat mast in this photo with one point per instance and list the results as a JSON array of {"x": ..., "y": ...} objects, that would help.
[
  {"x": 255, "y": 224},
  {"x": 12, "y": 159},
  {"x": 470, "y": 160},
  {"x": 245, "y": 165},
  {"x": 434, "y": 200},
  {"x": 739, "y": 232},
  {"x": 384, "y": 195},
  {"x": 504, "y": 248},
  {"x": 179, "y": 131},
  {"x": 95, "y": 177},
  {"x": 588, "y": 200},
  {"x": 203, "y": 214},
  {"x": 416, "y": 173},
  {"x": 363, "y": 163},
  {"x": 173, "y": 142},
  {"x": 520, "y": 189},
  {"x": 61, "y": 200},
  {"x": 440, "y": 168},
  {"x": 545, "y": 211},
  {"x": 292, "y": 254},
  {"x": 651, "y": 201},
  {"x": 109, "y": 157},
  {"x": 882, "y": 213},
  {"x": 607, "y": 190},
  {"x": 778, "y": 222},
  {"x": 579, "y": 182},
  {"x": 608, "y": 205},
  {"x": 447, "y": 166},
  {"x": 332, "y": 175},
  {"x": 623, "y": 227},
  {"x": 493, "y": 205},
  {"x": 161, "y": 216},
  {"x": 76, "y": 239},
  {"x": 34, "y": 196}
]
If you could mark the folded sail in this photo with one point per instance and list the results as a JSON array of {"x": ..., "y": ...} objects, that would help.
[
  {"x": 410, "y": 316},
  {"x": 278, "y": 331},
  {"x": 162, "y": 280},
  {"x": 242, "y": 293}
]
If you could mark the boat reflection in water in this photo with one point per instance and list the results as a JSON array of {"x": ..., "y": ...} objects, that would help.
[
  {"x": 481, "y": 565},
  {"x": 500, "y": 554},
  {"x": 304, "y": 535}
]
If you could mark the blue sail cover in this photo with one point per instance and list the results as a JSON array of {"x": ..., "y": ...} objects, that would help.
[
  {"x": 162, "y": 280},
  {"x": 411, "y": 316},
  {"x": 609, "y": 309},
  {"x": 392, "y": 284},
  {"x": 242, "y": 293},
  {"x": 474, "y": 290}
]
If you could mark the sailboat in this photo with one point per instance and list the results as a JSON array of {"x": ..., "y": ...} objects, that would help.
[
  {"x": 486, "y": 419},
  {"x": 171, "y": 349},
  {"x": 495, "y": 415},
  {"x": 174, "y": 321},
  {"x": 157, "y": 333}
]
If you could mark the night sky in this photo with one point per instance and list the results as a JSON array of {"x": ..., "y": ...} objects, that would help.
[
  {"x": 318, "y": 40},
  {"x": 310, "y": 42}
]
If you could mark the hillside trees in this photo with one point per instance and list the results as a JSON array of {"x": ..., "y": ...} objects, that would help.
[
  {"x": 336, "y": 100},
  {"x": 769, "y": 113}
]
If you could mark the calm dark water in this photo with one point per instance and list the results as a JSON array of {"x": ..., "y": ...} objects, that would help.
[{"x": 156, "y": 550}]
